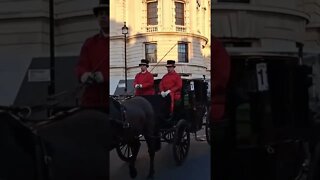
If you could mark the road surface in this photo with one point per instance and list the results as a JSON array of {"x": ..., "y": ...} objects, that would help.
[{"x": 196, "y": 165}]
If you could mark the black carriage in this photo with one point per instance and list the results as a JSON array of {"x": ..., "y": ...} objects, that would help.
[
  {"x": 267, "y": 130},
  {"x": 190, "y": 114}
]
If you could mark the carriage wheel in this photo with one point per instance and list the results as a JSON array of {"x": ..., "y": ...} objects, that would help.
[
  {"x": 207, "y": 126},
  {"x": 168, "y": 136},
  {"x": 124, "y": 152},
  {"x": 314, "y": 170},
  {"x": 181, "y": 142}
]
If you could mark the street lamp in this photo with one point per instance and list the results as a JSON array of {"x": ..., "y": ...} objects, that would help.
[{"x": 125, "y": 32}]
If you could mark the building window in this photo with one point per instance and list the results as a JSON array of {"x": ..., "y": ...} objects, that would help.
[
  {"x": 235, "y": 1},
  {"x": 152, "y": 13},
  {"x": 183, "y": 52},
  {"x": 179, "y": 13},
  {"x": 151, "y": 52}
]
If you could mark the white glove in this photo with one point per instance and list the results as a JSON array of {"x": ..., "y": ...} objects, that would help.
[
  {"x": 163, "y": 94},
  {"x": 168, "y": 92},
  {"x": 98, "y": 77},
  {"x": 138, "y": 86},
  {"x": 86, "y": 77}
]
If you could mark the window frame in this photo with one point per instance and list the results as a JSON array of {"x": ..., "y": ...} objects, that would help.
[
  {"x": 152, "y": 20},
  {"x": 179, "y": 16},
  {"x": 146, "y": 52},
  {"x": 185, "y": 54}
]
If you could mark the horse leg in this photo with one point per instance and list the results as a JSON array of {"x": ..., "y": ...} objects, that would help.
[
  {"x": 151, "y": 149},
  {"x": 135, "y": 149}
]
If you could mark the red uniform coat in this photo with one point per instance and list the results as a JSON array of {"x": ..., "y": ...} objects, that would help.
[
  {"x": 173, "y": 82},
  {"x": 220, "y": 69},
  {"x": 146, "y": 79},
  {"x": 94, "y": 57}
]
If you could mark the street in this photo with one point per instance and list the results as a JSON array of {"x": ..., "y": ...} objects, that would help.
[{"x": 196, "y": 165}]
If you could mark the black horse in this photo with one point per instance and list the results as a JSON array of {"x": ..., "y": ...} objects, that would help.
[
  {"x": 18, "y": 157},
  {"x": 75, "y": 144},
  {"x": 71, "y": 146},
  {"x": 133, "y": 117}
]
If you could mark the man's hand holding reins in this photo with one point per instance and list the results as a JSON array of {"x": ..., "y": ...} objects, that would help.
[
  {"x": 92, "y": 77},
  {"x": 138, "y": 86},
  {"x": 165, "y": 93}
]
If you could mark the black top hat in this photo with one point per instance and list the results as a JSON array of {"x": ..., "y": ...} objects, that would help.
[
  {"x": 171, "y": 63},
  {"x": 103, "y": 5},
  {"x": 144, "y": 62}
]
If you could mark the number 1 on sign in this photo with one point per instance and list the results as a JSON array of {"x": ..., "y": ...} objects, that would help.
[{"x": 262, "y": 77}]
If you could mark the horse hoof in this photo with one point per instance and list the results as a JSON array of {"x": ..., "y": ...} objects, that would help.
[{"x": 133, "y": 173}]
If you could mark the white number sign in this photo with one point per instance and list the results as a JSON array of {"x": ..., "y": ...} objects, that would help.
[
  {"x": 262, "y": 77},
  {"x": 192, "y": 86}
]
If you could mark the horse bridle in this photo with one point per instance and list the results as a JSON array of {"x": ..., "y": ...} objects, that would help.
[{"x": 123, "y": 113}]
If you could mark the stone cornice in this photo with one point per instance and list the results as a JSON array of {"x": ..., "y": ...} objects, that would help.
[
  {"x": 176, "y": 34},
  {"x": 260, "y": 8}
]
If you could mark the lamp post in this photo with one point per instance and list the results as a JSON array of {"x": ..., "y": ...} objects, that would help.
[
  {"x": 125, "y": 32},
  {"x": 51, "y": 88}
]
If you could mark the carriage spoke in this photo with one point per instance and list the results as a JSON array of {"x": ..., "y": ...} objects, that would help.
[
  {"x": 182, "y": 153},
  {"x": 124, "y": 151},
  {"x": 185, "y": 146},
  {"x": 185, "y": 135},
  {"x": 124, "y": 148},
  {"x": 127, "y": 151}
]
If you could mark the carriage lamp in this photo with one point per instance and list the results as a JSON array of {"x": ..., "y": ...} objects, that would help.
[{"x": 125, "y": 32}]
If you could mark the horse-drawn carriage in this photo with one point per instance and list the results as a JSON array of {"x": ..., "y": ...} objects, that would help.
[
  {"x": 190, "y": 114},
  {"x": 51, "y": 146}
]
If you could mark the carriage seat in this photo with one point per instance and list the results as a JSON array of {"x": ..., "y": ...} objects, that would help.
[{"x": 161, "y": 107}]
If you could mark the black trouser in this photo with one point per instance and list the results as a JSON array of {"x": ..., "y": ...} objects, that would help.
[{"x": 220, "y": 150}]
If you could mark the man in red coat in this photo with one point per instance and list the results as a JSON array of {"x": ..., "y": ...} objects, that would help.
[
  {"x": 143, "y": 81},
  {"x": 220, "y": 136},
  {"x": 93, "y": 66},
  {"x": 220, "y": 68},
  {"x": 171, "y": 83}
]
